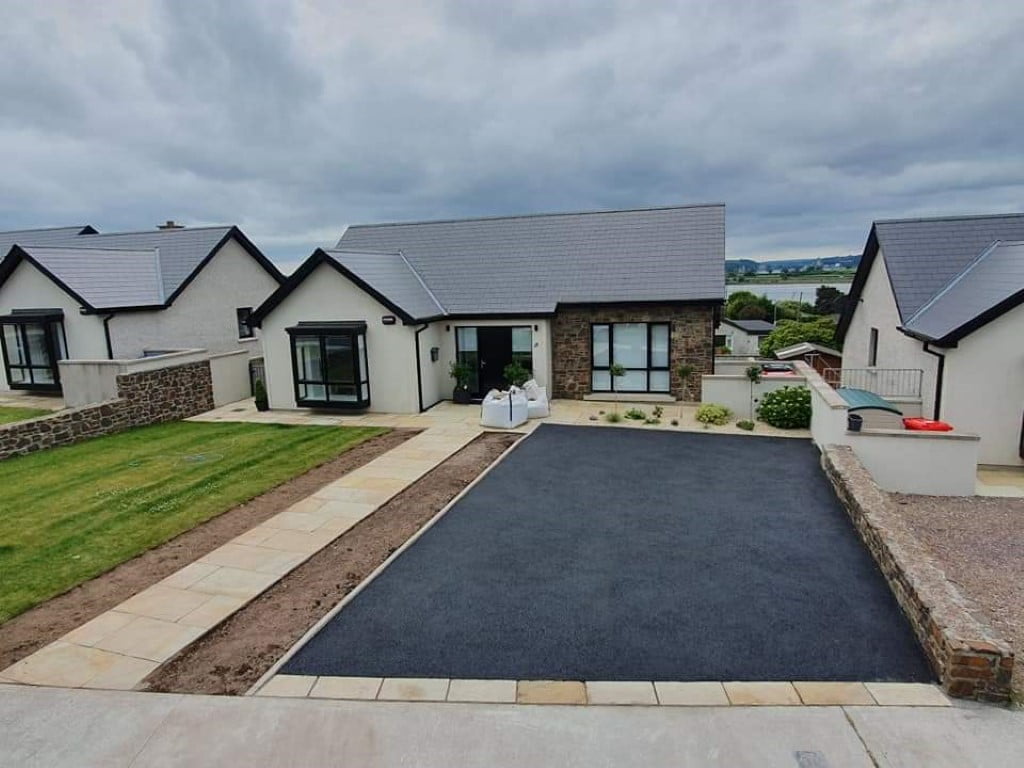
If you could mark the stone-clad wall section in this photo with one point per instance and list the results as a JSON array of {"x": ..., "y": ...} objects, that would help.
[
  {"x": 691, "y": 341},
  {"x": 970, "y": 660},
  {"x": 147, "y": 397}
]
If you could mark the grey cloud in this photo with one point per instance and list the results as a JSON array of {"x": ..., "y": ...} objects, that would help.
[{"x": 807, "y": 119}]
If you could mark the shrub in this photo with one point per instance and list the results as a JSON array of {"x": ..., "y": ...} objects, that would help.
[
  {"x": 636, "y": 414},
  {"x": 657, "y": 411},
  {"x": 259, "y": 392},
  {"x": 788, "y": 332},
  {"x": 712, "y": 413},
  {"x": 515, "y": 374},
  {"x": 787, "y": 408},
  {"x": 652, "y": 420},
  {"x": 613, "y": 417},
  {"x": 746, "y": 424}
]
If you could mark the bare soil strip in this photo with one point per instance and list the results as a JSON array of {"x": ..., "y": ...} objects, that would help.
[
  {"x": 41, "y": 625},
  {"x": 232, "y": 657}
]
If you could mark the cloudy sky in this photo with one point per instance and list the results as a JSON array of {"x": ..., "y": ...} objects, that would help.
[{"x": 808, "y": 119}]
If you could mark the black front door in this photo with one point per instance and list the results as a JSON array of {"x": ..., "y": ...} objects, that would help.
[{"x": 495, "y": 349}]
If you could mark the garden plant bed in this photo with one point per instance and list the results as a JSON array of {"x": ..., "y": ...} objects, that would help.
[
  {"x": 46, "y": 622},
  {"x": 231, "y": 658},
  {"x": 979, "y": 543}
]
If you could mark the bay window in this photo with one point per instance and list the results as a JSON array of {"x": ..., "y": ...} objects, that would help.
[
  {"x": 642, "y": 349},
  {"x": 329, "y": 365}
]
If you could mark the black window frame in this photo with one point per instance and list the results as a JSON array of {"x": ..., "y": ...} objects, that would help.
[
  {"x": 873, "y": 348},
  {"x": 52, "y": 322},
  {"x": 242, "y": 317},
  {"x": 647, "y": 371},
  {"x": 361, "y": 377}
]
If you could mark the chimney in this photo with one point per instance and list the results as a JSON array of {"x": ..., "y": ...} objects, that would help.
[{"x": 170, "y": 224}]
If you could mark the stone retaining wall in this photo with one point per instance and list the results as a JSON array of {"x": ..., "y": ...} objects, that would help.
[
  {"x": 147, "y": 397},
  {"x": 970, "y": 660}
]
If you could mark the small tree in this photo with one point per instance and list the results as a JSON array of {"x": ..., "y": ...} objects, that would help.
[
  {"x": 685, "y": 371},
  {"x": 617, "y": 372},
  {"x": 754, "y": 377}
]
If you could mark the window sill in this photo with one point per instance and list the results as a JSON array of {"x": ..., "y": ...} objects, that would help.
[
  {"x": 630, "y": 397},
  {"x": 246, "y": 339}
]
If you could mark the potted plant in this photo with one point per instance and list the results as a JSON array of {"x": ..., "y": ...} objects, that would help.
[
  {"x": 259, "y": 392},
  {"x": 515, "y": 374},
  {"x": 462, "y": 373}
]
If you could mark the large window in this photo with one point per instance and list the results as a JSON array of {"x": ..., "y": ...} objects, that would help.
[
  {"x": 329, "y": 365},
  {"x": 33, "y": 342},
  {"x": 640, "y": 348}
]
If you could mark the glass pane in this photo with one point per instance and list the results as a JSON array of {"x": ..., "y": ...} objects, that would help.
[
  {"x": 312, "y": 392},
  {"x": 341, "y": 364},
  {"x": 522, "y": 339},
  {"x": 18, "y": 376},
  {"x": 42, "y": 375},
  {"x": 659, "y": 347},
  {"x": 600, "y": 335},
  {"x": 37, "y": 351},
  {"x": 364, "y": 370},
  {"x": 345, "y": 393},
  {"x": 630, "y": 345},
  {"x": 525, "y": 359},
  {"x": 366, "y": 392},
  {"x": 466, "y": 339},
  {"x": 659, "y": 381},
  {"x": 58, "y": 334},
  {"x": 12, "y": 338},
  {"x": 307, "y": 357},
  {"x": 633, "y": 381},
  {"x": 601, "y": 381}
]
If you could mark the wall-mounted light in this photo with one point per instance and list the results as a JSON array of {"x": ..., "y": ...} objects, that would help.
[
  {"x": 536, "y": 327},
  {"x": 448, "y": 328},
  {"x": 435, "y": 354},
  {"x": 388, "y": 320}
]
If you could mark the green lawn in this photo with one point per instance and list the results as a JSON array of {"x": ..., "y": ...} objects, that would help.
[
  {"x": 68, "y": 514},
  {"x": 9, "y": 414}
]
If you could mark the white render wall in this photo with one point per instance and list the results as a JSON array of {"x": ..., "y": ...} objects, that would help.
[
  {"x": 877, "y": 309},
  {"x": 739, "y": 341},
  {"x": 437, "y": 385},
  {"x": 983, "y": 387},
  {"x": 28, "y": 288},
  {"x": 326, "y": 296},
  {"x": 203, "y": 315}
]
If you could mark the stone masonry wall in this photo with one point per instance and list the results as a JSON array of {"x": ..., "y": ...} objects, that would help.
[
  {"x": 970, "y": 660},
  {"x": 149, "y": 397},
  {"x": 691, "y": 341}
]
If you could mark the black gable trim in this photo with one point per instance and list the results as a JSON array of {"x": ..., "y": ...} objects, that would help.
[
  {"x": 236, "y": 234},
  {"x": 867, "y": 259},
  {"x": 318, "y": 257}
]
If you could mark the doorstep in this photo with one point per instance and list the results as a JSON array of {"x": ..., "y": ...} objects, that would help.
[{"x": 628, "y": 397}]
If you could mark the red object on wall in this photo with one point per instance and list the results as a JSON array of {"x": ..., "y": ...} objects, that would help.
[{"x": 927, "y": 425}]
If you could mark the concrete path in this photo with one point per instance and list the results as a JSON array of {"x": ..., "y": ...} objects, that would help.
[{"x": 60, "y": 727}]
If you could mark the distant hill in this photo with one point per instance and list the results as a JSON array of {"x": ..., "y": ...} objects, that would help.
[{"x": 735, "y": 266}]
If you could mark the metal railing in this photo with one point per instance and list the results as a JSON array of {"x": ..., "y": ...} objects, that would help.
[{"x": 884, "y": 382}]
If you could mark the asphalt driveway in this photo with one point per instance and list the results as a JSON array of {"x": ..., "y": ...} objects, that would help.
[{"x": 593, "y": 553}]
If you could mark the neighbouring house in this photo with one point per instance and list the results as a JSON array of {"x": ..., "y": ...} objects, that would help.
[
  {"x": 818, "y": 356},
  {"x": 375, "y": 322},
  {"x": 743, "y": 337},
  {"x": 944, "y": 295},
  {"x": 72, "y": 293}
]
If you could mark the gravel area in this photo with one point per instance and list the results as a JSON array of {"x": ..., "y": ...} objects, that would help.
[{"x": 979, "y": 543}]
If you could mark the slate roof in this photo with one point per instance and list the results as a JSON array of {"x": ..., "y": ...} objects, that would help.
[
  {"x": 87, "y": 272},
  {"x": 530, "y": 264},
  {"x": 168, "y": 259},
  {"x": 924, "y": 256},
  {"x": 50, "y": 236},
  {"x": 995, "y": 277},
  {"x": 753, "y": 327},
  {"x": 391, "y": 275}
]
